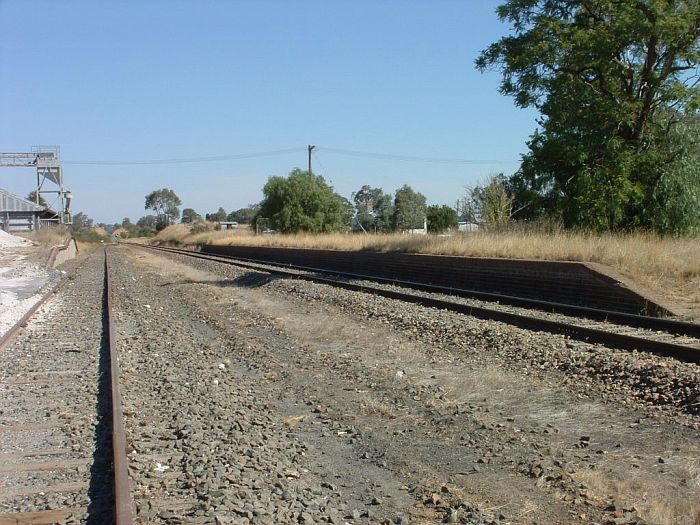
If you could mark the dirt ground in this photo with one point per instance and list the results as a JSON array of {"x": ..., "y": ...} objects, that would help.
[{"x": 440, "y": 434}]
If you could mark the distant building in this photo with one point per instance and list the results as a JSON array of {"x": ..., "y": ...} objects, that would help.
[
  {"x": 465, "y": 225},
  {"x": 228, "y": 225},
  {"x": 19, "y": 214}
]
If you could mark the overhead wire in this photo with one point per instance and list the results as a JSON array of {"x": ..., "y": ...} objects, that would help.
[
  {"x": 333, "y": 151},
  {"x": 324, "y": 170},
  {"x": 184, "y": 160},
  {"x": 412, "y": 158}
]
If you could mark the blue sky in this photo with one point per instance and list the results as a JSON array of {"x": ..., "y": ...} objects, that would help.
[{"x": 133, "y": 80}]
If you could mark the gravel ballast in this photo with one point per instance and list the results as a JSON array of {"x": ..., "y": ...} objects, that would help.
[
  {"x": 475, "y": 426},
  {"x": 52, "y": 376}
]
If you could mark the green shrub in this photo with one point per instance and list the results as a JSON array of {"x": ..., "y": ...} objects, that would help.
[{"x": 90, "y": 236}]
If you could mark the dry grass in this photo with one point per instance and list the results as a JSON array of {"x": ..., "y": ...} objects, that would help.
[
  {"x": 180, "y": 234},
  {"x": 371, "y": 406},
  {"x": 668, "y": 266},
  {"x": 47, "y": 236},
  {"x": 653, "y": 503}
]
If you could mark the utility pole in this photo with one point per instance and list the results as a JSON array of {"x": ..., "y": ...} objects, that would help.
[{"x": 310, "y": 148}]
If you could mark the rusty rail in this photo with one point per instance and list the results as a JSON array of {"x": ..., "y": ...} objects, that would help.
[
  {"x": 122, "y": 494},
  {"x": 122, "y": 491}
]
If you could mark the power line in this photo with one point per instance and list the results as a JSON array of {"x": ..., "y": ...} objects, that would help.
[
  {"x": 411, "y": 158},
  {"x": 184, "y": 160},
  {"x": 308, "y": 149},
  {"x": 324, "y": 170}
]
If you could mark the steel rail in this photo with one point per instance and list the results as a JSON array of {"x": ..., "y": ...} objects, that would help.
[
  {"x": 595, "y": 314},
  {"x": 122, "y": 491},
  {"x": 673, "y": 326},
  {"x": 581, "y": 333}
]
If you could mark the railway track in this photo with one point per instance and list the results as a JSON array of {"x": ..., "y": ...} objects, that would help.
[
  {"x": 238, "y": 410},
  {"x": 204, "y": 442},
  {"x": 62, "y": 445},
  {"x": 678, "y": 339}
]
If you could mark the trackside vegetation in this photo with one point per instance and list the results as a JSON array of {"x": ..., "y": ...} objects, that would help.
[
  {"x": 616, "y": 83},
  {"x": 668, "y": 265},
  {"x": 304, "y": 202}
]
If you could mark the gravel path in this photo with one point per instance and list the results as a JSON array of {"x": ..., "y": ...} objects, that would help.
[
  {"x": 431, "y": 416},
  {"x": 54, "y": 442}
]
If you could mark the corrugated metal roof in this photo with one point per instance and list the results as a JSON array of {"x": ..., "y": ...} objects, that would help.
[{"x": 11, "y": 202}]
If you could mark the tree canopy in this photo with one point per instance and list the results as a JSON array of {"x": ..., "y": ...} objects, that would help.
[
  {"x": 409, "y": 209},
  {"x": 373, "y": 209},
  {"x": 218, "y": 216},
  {"x": 190, "y": 215},
  {"x": 165, "y": 203},
  {"x": 81, "y": 222},
  {"x": 489, "y": 203},
  {"x": 441, "y": 218},
  {"x": 616, "y": 82},
  {"x": 148, "y": 222},
  {"x": 304, "y": 202},
  {"x": 244, "y": 215}
]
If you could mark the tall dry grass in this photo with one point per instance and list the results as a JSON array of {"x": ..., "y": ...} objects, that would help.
[
  {"x": 668, "y": 266},
  {"x": 47, "y": 236},
  {"x": 186, "y": 235}
]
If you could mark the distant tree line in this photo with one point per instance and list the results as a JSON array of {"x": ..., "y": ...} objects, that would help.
[{"x": 304, "y": 202}]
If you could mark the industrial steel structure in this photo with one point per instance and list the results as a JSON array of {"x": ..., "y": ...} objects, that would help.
[
  {"x": 49, "y": 185},
  {"x": 18, "y": 214}
]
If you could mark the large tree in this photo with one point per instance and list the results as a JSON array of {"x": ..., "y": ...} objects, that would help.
[
  {"x": 441, "y": 218},
  {"x": 373, "y": 209},
  {"x": 219, "y": 216},
  {"x": 303, "y": 202},
  {"x": 148, "y": 221},
  {"x": 615, "y": 81},
  {"x": 165, "y": 203},
  {"x": 409, "y": 209},
  {"x": 190, "y": 215},
  {"x": 81, "y": 222}
]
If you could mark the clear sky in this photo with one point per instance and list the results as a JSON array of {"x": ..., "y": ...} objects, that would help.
[{"x": 137, "y": 80}]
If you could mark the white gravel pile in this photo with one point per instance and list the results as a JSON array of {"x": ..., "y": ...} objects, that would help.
[
  {"x": 8, "y": 240},
  {"x": 21, "y": 284},
  {"x": 12, "y": 309}
]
